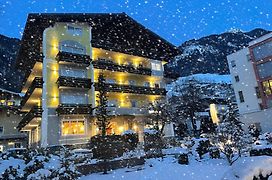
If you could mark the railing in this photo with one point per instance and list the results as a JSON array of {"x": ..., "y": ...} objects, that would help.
[
  {"x": 65, "y": 81},
  {"x": 66, "y": 109},
  {"x": 74, "y": 58},
  {"x": 36, "y": 83},
  {"x": 36, "y": 111},
  {"x": 112, "y": 66},
  {"x": 127, "y": 111},
  {"x": 132, "y": 89}
]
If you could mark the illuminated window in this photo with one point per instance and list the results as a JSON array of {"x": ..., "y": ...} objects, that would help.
[
  {"x": 73, "y": 127},
  {"x": 156, "y": 66},
  {"x": 267, "y": 86}
]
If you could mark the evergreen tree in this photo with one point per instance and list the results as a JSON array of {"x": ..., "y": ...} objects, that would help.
[
  {"x": 230, "y": 137},
  {"x": 188, "y": 102},
  {"x": 161, "y": 114},
  {"x": 102, "y": 113}
]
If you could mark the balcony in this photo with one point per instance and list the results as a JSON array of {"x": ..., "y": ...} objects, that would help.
[
  {"x": 73, "y": 58},
  {"x": 132, "y": 89},
  {"x": 72, "y": 109},
  {"x": 36, "y": 111},
  {"x": 36, "y": 83},
  {"x": 112, "y": 66},
  {"x": 127, "y": 111},
  {"x": 74, "y": 82}
]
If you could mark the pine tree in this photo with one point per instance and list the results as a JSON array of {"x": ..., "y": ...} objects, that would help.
[
  {"x": 230, "y": 137},
  {"x": 188, "y": 102},
  {"x": 161, "y": 114},
  {"x": 102, "y": 113}
]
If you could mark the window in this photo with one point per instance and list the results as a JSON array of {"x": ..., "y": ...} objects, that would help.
[
  {"x": 264, "y": 69},
  {"x": 258, "y": 93},
  {"x": 133, "y": 103},
  {"x": 157, "y": 85},
  {"x": 111, "y": 81},
  {"x": 1, "y": 130},
  {"x": 241, "y": 96},
  {"x": 73, "y": 71},
  {"x": 73, "y": 127},
  {"x": 146, "y": 84},
  {"x": 112, "y": 103},
  {"x": 267, "y": 86},
  {"x": 156, "y": 66},
  {"x": 232, "y": 63},
  {"x": 72, "y": 47},
  {"x": 76, "y": 31},
  {"x": 132, "y": 82},
  {"x": 237, "y": 79},
  {"x": 262, "y": 51},
  {"x": 68, "y": 96}
]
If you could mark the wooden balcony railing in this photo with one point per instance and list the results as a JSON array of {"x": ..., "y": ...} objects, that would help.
[
  {"x": 112, "y": 66},
  {"x": 74, "y": 58},
  {"x": 36, "y": 111},
  {"x": 66, "y": 109},
  {"x": 64, "y": 81},
  {"x": 133, "y": 89},
  {"x": 36, "y": 83}
]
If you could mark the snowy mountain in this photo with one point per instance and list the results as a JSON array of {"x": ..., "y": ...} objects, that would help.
[
  {"x": 212, "y": 85},
  {"x": 208, "y": 54},
  {"x": 10, "y": 77}
]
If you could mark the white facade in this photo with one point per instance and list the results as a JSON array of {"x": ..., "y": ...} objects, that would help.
[{"x": 247, "y": 90}]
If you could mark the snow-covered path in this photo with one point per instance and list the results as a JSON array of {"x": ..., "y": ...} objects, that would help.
[{"x": 168, "y": 169}]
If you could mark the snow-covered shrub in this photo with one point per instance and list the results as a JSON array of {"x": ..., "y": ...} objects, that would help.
[
  {"x": 183, "y": 159},
  {"x": 202, "y": 147},
  {"x": 214, "y": 152},
  {"x": 153, "y": 143},
  {"x": 107, "y": 147},
  {"x": 34, "y": 165},
  {"x": 66, "y": 170},
  {"x": 131, "y": 139},
  {"x": 12, "y": 173}
]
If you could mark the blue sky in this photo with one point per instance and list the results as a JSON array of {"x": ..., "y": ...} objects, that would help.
[{"x": 174, "y": 20}]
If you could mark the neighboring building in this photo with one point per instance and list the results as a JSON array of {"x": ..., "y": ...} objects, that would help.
[
  {"x": 10, "y": 137},
  {"x": 62, "y": 56},
  {"x": 251, "y": 71}
]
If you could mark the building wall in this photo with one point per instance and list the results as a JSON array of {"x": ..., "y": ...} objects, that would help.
[
  {"x": 9, "y": 124},
  {"x": 251, "y": 110},
  {"x": 247, "y": 81}
]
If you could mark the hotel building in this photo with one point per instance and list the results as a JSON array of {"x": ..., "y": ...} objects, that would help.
[
  {"x": 251, "y": 71},
  {"x": 9, "y": 119},
  {"x": 62, "y": 56}
]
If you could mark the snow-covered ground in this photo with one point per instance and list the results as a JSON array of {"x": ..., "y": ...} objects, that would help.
[{"x": 212, "y": 169}]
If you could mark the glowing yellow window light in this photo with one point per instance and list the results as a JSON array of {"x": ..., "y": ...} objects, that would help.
[{"x": 213, "y": 112}]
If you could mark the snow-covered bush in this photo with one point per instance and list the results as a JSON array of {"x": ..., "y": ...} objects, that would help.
[
  {"x": 203, "y": 147},
  {"x": 153, "y": 143},
  {"x": 12, "y": 173},
  {"x": 131, "y": 139}
]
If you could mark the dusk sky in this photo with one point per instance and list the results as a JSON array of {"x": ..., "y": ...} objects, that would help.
[{"x": 174, "y": 20}]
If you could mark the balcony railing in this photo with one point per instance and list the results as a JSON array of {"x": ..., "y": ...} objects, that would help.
[
  {"x": 36, "y": 111},
  {"x": 65, "y": 81},
  {"x": 127, "y": 111},
  {"x": 74, "y": 58},
  {"x": 69, "y": 109},
  {"x": 36, "y": 83},
  {"x": 112, "y": 66},
  {"x": 132, "y": 89}
]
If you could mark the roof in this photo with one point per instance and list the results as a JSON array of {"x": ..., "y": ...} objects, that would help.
[{"x": 110, "y": 31}]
